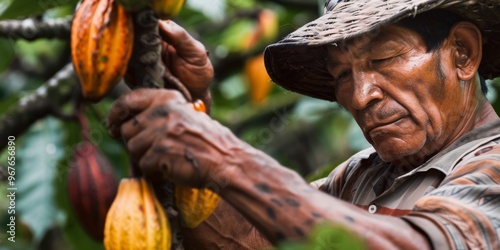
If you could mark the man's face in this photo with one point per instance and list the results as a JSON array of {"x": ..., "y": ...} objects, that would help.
[{"x": 407, "y": 101}]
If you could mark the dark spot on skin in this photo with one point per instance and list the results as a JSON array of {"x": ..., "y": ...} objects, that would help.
[
  {"x": 161, "y": 150},
  {"x": 264, "y": 188},
  {"x": 308, "y": 222},
  {"x": 298, "y": 231},
  {"x": 316, "y": 215},
  {"x": 159, "y": 112},
  {"x": 141, "y": 208},
  {"x": 135, "y": 122},
  {"x": 194, "y": 162},
  {"x": 292, "y": 202},
  {"x": 280, "y": 236},
  {"x": 276, "y": 202},
  {"x": 271, "y": 213},
  {"x": 349, "y": 219}
]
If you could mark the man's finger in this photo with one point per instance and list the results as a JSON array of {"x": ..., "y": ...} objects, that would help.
[
  {"x": 139, "y": 144},
  {"x": 132, "y": 127},
  {"x": 176, "y": 36},
  {"x": 126, "y": 107}
]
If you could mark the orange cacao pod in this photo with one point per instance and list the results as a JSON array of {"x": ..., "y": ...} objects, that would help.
[
  {"x": 259, "y": 82},
  {"x": 136, "y": 220},
  {"x": 101, "y": 46},
  {"x": 92, "y": 187}
]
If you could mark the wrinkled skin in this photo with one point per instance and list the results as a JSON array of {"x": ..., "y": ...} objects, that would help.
[
  {"x": 402, "y": 97},
  {"x": 387, "y": 97},
  {"x": 187, "y": 59}
]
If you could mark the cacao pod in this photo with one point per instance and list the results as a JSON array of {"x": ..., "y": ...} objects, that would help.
[
  {"x": 136, "y": 220},
  {"x": 259, "y": 82},
  {"x": 92, "y": 187},
  {"x": 166, "y": 9},
  {"x": 101, "y": 46},
  {"x": 195, "y": 205}
]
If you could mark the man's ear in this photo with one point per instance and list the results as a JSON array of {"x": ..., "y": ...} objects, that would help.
[{"x": 467, "y": 41}]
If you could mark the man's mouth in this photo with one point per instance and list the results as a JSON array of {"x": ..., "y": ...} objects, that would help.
[{"x": 382, "y": 127}]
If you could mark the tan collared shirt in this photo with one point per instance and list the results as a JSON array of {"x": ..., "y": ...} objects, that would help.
[{"x": 454, "y": 198}]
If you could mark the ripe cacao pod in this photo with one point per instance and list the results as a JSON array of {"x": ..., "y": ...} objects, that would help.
[
  {"x": 136, "y": 220},
  {"x": 92, "y": 186},
  {"x": 259, "y": 82},
  {"x": 195, "y": 205},
  {"x": 166, "y": 9},
  {"x": 101, "y": 46}
]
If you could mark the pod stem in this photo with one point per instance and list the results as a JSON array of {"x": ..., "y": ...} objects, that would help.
[{"x": 80, "y": 114}]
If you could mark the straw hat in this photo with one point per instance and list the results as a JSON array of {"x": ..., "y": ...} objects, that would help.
[{"x": 297, "y": 62}]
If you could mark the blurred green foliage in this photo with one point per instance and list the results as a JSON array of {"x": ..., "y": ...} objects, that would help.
[
  {"x": 326, "y": 237},
  {"x": 307, "y": 135}
]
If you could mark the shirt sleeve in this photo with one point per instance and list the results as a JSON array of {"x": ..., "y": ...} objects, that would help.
[{"x": 464, "y": 212}]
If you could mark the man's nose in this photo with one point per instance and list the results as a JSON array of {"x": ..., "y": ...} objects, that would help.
[{"x": 366, "y": 90}]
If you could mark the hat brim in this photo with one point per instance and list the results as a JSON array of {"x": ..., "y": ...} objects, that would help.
[{"x": 298, "y": 62}]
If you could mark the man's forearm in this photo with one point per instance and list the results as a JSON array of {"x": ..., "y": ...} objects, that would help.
[
  {"x": 282, "y": 205},
  {"x": 226, "y": 228}
]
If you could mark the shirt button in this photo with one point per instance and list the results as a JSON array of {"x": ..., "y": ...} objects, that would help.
[{"x": 372, "y": 209}]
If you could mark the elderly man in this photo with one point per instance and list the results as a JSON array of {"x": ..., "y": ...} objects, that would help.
[{"x": 409, "y": 72}]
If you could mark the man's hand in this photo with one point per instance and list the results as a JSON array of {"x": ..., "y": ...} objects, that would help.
[
  {"x": 169, "y": 139},
  {"x": 186, "y": 58}
]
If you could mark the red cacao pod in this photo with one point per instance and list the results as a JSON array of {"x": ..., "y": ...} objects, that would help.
[{"x": 92, "y": 188}]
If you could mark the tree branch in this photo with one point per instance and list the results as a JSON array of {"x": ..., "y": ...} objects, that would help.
[
  {"x": 50, "y": 96},
  {"x": 31, "y": 29},
  {"x": 145, "y": 69}
]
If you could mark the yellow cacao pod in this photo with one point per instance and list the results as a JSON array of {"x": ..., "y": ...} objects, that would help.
[
  {"x": 195, "y": 205},
  {"x": 166, "y": 9},
  {"x": 101, "y": 46},
  {"x": 136, "y": 220}
]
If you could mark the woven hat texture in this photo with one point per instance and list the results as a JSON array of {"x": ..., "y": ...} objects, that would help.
[{"x": 298, "y": 62}]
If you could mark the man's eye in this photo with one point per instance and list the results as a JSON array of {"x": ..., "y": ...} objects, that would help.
[
  {"x": 382, "y": 61},
  {"x": 343, "y": 76}
]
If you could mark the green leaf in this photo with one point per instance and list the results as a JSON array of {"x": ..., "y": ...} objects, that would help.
[
  {"x": 25, "y": 8},
  {"x": 7, "y": 51},
  {"x": 493, "y": 93},
  {"x": 36, "y": 159},
  {"x": 326, "y": 236},
  {"x": 236, "y": 37},
  {"x": 40, "y": 54}
]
